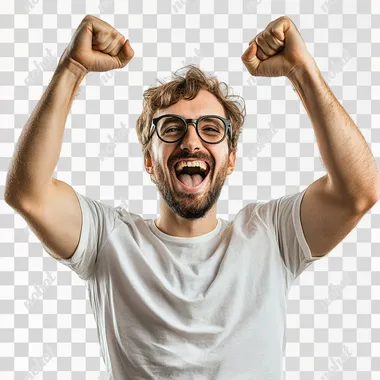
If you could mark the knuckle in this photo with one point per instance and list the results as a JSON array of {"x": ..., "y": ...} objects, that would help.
[
  {"x": 99, "y": 37},
  {"x": 114, "y": 34},
  {"x": 275, "y": 32}
]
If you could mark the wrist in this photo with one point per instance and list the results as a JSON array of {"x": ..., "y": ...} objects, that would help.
[
  {"x": 304, "y": 73},
  {"x": 72, "y": 66}
]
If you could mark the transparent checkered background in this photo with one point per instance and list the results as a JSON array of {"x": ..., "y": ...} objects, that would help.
[{"x": 101, "y": 158}]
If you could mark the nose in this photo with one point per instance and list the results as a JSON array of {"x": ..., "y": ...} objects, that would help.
[{"x": 191, "y": 140}]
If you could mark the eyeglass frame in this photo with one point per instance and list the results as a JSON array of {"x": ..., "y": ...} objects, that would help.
[{"x": 226, "y": 122}]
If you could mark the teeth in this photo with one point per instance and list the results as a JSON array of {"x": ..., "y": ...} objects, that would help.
[{"x": 180, "y": 165}]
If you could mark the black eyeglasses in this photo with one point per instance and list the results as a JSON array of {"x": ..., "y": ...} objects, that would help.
[{"x": 211, "y": 129}]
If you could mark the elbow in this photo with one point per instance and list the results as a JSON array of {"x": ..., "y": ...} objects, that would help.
[
  {"x": 363, "y": 208},
  {"x": 363, "y": 199},
  {"x": 374, "y": 195},
  {"x": 10, "y": 199},
  {"x": 366, "y": 203},
  {"x": 8, "y": 195},
  {"x": 13, "y": 199}
]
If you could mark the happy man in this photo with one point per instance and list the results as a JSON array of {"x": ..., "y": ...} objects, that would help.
[{"x": 189, "y": 295}]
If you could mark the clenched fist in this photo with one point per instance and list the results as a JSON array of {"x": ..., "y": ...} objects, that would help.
[
  {"x": 97, "y": 46},
  {"x": 279, "y": 50}
]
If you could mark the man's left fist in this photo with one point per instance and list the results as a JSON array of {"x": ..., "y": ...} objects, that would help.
[{"x": 277, "y": 51}]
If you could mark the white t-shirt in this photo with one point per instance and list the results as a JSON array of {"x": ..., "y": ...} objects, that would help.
[{"x": 211, "y": 307}]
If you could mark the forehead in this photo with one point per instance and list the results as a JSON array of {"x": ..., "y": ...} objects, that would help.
[{"x": 204, "y": 103}]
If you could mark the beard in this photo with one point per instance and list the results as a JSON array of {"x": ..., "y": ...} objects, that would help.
[{"x": 189, "y": 205}]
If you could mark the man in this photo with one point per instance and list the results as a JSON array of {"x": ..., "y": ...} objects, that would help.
[{"x": 189, "y": 295}]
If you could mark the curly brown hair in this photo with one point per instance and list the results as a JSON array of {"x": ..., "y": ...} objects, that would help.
[{"x": 187, "y": 87}]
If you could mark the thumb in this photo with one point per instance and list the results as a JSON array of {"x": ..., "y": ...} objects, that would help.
[
  {"x": 251, "y": 51},
  {"x": 126, "y": 53},
  {"x": 249, "y": 58}
]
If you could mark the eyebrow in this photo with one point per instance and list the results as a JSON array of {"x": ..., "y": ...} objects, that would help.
[{"x": 197, "y": 117}]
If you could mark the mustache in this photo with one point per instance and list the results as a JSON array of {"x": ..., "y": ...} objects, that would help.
[{"x": 190, "y": 157}]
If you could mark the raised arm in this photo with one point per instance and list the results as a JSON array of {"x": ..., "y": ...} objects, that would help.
[
  {"x": 48, "y": 205},
  {"x": 333, "y": 204}
]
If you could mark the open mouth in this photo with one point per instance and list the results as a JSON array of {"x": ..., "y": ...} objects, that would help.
[{"x": 192, "y": 178}]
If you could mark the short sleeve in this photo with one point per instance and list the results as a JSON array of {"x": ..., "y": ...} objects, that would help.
[
  {"x": 98, "y": 221},
  {"x": 283, "y": 218}
]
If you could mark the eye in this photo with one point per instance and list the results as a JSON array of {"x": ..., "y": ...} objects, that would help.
[
  {"x": 213, "y": 129},
  {"x": 169, "y": 129}
]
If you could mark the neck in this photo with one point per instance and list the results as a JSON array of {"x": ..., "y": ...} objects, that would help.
[{"x": 172, "y": 224}]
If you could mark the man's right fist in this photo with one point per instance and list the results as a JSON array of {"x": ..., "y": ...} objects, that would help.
[{"x": 97, "y": 46}]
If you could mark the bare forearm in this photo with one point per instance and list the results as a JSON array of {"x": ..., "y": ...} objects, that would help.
[
  {"x": 39, "y": 145},
  {"x": 350, "y": 164}
]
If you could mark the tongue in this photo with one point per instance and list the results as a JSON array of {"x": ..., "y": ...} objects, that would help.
[{"x": 190, "y": 180}]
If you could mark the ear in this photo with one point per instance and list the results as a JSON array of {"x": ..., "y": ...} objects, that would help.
[
  {"x": 231, "y": 162},
  {"x": 148, "y": 163},
  {"x": 149, "y": 167}
]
